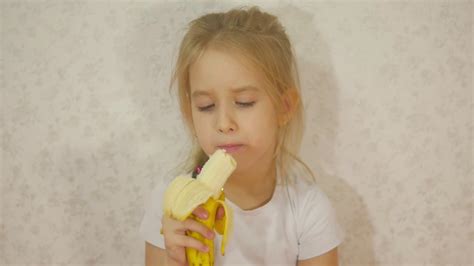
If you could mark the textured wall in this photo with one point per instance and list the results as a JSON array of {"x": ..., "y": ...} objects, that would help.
[{"x": 88, "y": 125}]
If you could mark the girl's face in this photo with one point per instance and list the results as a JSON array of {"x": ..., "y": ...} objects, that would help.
[{"x": 231, "y": 110}]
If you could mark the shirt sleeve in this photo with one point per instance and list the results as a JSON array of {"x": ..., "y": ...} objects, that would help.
[
  {"x": 151, "y": 223},
  {"x": 319, "y": 231}
]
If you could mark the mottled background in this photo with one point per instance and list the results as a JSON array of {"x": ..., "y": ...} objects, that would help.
[{"x": 88, "y": 125}]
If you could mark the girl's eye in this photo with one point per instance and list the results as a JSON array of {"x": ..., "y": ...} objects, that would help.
[
  {"x": 206, "y": 108},
  {"x": 209, "y": 107},
  {"x": 245, "y": 104}
]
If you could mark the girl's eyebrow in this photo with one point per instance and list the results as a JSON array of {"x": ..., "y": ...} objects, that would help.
[
  {"x": 245, "y": 88},
  {"x": 198, "y": 93}
]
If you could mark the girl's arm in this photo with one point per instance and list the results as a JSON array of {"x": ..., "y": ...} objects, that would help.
[
  {"x": 176, "y": 240},
  {"x": 327, "y": 259},
  {"x": 154, "y": 255}
]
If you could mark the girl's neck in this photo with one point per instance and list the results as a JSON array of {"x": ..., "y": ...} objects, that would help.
[{"x": 251, "y": 190}]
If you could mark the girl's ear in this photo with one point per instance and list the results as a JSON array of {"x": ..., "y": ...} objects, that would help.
[{"x": 291, "y": 100}]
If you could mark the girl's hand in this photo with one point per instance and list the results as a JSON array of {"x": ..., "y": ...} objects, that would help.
[{"x": 176, "y": 240}]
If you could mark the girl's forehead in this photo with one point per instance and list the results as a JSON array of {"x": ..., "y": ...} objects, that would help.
[{"x": 218, "y": 69}]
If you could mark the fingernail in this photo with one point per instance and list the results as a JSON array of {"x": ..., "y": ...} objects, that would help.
[
  {"x": 210, "y": 235},
  {"x": 203, "y": 215},
  {"x": 205, "y": 249}
]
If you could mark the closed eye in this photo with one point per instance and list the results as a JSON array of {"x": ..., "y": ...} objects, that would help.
[
  {"x": 206, "y": 108},
  {"x": 209, "y": 107},
  {"x": 245, "y": 104}
]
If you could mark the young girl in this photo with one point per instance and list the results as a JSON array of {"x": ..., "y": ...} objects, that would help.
[{"x": 239, "y": 91}]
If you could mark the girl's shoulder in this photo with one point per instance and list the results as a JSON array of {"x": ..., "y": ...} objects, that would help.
[
  {"x": 315, "y": 216},
  {"x": 301, "y": 185},
  {"x": 306, "y": 190},
  {"x": 306, "y": 197}
]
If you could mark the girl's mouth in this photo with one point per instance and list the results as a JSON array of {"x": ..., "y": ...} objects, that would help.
[{"x": 231, "y": 148}]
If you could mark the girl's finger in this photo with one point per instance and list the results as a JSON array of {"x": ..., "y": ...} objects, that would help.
[
  {"x": 201, "y": 212},
  {"x": 195, "y": 226},
  {"x": 220, "y": 213},
  {"x": 176, "y": 258},
  {"x": 191, "y": 242}
]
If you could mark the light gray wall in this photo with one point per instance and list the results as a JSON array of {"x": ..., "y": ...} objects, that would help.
[{"x": 88, "y": 125}]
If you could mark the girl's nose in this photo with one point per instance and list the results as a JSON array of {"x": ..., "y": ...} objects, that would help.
[{"x": 225, "y": 121}]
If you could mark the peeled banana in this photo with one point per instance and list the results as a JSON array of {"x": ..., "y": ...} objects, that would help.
[{"x": 184, "y": 194}]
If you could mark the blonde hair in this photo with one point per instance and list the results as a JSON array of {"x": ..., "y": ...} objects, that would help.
[{"x": 261, "y": 39}]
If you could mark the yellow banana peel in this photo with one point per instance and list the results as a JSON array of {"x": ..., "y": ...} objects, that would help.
[{"x": 184, "y": 194}]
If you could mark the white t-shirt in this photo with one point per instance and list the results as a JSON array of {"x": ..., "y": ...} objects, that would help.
[{"x": 297, "y": 223}]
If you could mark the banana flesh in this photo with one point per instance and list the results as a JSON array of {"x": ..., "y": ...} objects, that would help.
[{"x": 184, "y": 194}]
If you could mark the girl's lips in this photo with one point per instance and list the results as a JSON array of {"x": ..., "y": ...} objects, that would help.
[{"x": 231, "y": 148}]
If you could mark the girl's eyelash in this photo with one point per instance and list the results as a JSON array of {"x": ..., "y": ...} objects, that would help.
[
  {"x": 245, "y": 104},
  {"x": 241, "y": 104},
  {"x": 206, "y": 108}
]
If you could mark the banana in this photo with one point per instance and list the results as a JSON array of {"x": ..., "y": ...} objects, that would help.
[{"x": 184, "y": 194}]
